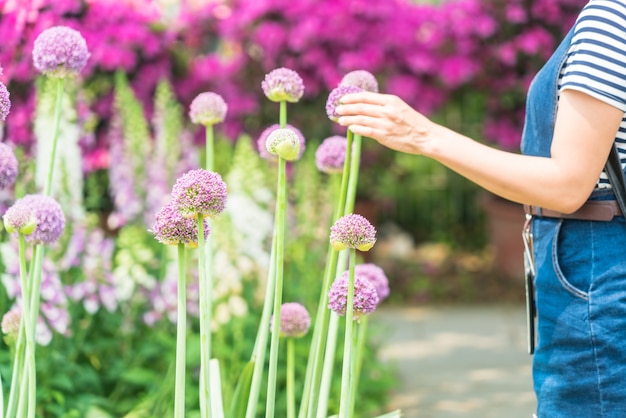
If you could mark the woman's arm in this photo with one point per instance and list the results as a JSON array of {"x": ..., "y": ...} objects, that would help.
[{"x": 584, "y": 132}]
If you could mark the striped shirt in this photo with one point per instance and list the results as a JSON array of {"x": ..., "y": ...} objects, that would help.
[{"x": 596, "y": 61}]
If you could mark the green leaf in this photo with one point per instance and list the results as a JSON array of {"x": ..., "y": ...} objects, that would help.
[{"x": 242, "y": 392}]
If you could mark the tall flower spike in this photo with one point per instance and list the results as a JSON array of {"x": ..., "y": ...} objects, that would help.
[
  {"x": 208, "y": 108},
  {"x": 335, "y": 97},
  {"x": 171, "y": 228},
  {"x": 362, "y": 79},
  {"x": 294, "y": 320},
  {"x": 49, "y": 215},
  {"x": 262, "y": 141},
  {"x": 199, "y": 193},
  {"x": 365, "y": 297},
  {"x": 331, "y": 154},
  {"x": 285, "y": 143},
  {"x": 376, "y": 277},
  {"x": 60, "y": 51},
  {"x": 352, "y": 231},
  {"x": 5, "y": 102},
  {"x": 283, "y": 84},
  {"x": 8, "y": 166}
]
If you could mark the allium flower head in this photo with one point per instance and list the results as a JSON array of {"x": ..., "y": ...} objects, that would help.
[
  {"x": 365, "y": 297},
  {"x": 208, "y": 108},
  {"x": 283, "y": 142},
  {"x": 294, "y": 320},
  {"x": 8, "y": 166},
  {"x": 171, "y": 228},
  {"x": 283, "y": 84},
  {"x": 262, "y": 141},
  {"x": 60, "y": 51},
  {"x": 49, "y": 216},
  {"x": 376, "y": 277},
  {"x": 11, "y": 322},
  {"x": 360, "y": 78},
  {"x": 20, "y": 218},
  {"x": 199, "y": 193},
  {"x": 331, "y": 154},
  {"x": 5, "y": 102},
  {"x": 352, "y": 231},
  {"x": 335, "y": 97}
]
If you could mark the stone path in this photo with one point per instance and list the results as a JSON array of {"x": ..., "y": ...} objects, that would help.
[{"x": 465, "y": 362}]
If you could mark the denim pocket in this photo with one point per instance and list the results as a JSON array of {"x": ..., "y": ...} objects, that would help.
[{"x": 572, "y": 256}]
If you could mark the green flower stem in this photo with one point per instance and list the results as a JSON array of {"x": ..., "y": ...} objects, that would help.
[
  {"x": 291, "y": 397},
  {"x": 283, "y": 114},
  {"x": 281, "y": 208},
  {"x": 205, "y": 301},
  {"x": 329, "y": 366},
  {"x": 181, "y": 336},
  {"x": 355, "y": 162},
  {"x": 316, "y": 354},
  {"x": 358, "y": 357},
  {"x": 347, "y": 369},
  {"x": 209, "y": 148},
  {"x": 18, "y": 364},
  {"x": 55, "y": 135}
]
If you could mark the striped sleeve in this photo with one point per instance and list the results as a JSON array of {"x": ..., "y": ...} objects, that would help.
[{"x": 596, "y": 62}]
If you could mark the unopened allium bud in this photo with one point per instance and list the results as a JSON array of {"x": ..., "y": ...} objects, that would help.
[
  {"x": 376, "y": 277},
  {"x": 284, "y": 142},
  {"x": 365, "y": 297},
  {"x": 171, "y": 228},
  {"x": 262, "y": 141},
  {"x": 352, "y": 231},
  {"x": 8, "y": 166},
  {"x": 294, "y": 320},
  {"x": 283, "y": 84},
  {"x": 5, "y": 102},
  {"x": 60, "y": 51},
  {"x": 208, "y": 108},
  {"x": 362, "y": 79},
  {"x": 11, "y": 322},
  {"x": 199, "y": 193},
  {"x": 50, "y": 220},
  {"x": 20, "y": 218},
  {"x": 331, "y": 154},
  {"x": 335, "y": 97}
]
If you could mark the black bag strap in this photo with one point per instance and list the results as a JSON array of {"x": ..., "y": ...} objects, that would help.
[{"x": 615, "y": 173}]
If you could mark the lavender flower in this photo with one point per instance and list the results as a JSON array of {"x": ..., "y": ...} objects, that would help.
[
  {"x": 352, "y": 231},
  {"x": 8, "y": 166},
  {"x": 171, "y": 228},
  {"x": 5, "y": 102},
  {"x": 60, "y": 51},
  {"x": 20, "y": 218},
  {"x": 376, "y": 277},
  {"x": 208, "y": 108},
  {"x": 283, "y": 84},
  {"x": 11, "y": 322},
  {"x": 365, "y": 297},
  {"x": 262, "y": 141},
  {"x": 283, "y": 142},
  {"x": 48, "y": 214},
  {"x": 200, "y": 193},
  {"x": 331, "y": 154},
  {"x": 334, "y": 98},
  {"x": 294, "y": 320},
  {"x": 362, "y": 79}
]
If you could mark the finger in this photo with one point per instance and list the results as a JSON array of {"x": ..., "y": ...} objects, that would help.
[{"x": 364, "y": 97}]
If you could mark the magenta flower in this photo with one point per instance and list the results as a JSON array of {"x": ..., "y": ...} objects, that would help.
[
  {"x": 8, "y": 166},
  {"x": 199, "y": 193},
  {"x": 49, "y": 217},
  {"x": 352, "y": 231},
  {"x": 362, "y": 79},
  {"x": 365, "y": 296},
  {"x": 283, "y": 142},
  {"x": 331, "y": 154},
  {"x": 335, "y": 96},
  {"x": 262, "y": 141},
  {"x": 60, "y": 51},
  {"x": 20, "y": 218},
  {"x": 5, "y": 102},
  {"x": 283, "y": 84},
  {"x": 376, "y": 277},
  {"x": 171, "y": 228},
  {"x": 294, "y": 320},
  {"x": 208, "y": 108}
]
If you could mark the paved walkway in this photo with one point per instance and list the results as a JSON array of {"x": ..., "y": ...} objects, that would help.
[{"x": 465, "y": 362}]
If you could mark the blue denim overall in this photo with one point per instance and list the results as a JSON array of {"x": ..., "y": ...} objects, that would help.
[{"x": 579, "y": 365}]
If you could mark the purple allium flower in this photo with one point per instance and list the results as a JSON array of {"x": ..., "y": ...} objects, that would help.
[
  {"x": 331, "y": 154},
  {"x": 283, "y": 142},
  {"x": 376, "y": 277},
  {"x": 5, "y": 102},
  {"x": 11, "y": 322},
  {"x": 352, "y": 231},
  {"x": 208, "y": 108},
  {"x": 20, "y": 218},
  {"x": 262, "y": 141},
  {"x": 171, "y": 228},
  {"x": 199, "y": 193},
  {"x": 49, "y": 216},
  {"x": 335, "y": 96},
  {"x": 60, "y": 51},
  {"x": 8, "y": 166},
  {"x": 365, "y": 297},
  {"x": 294, "y": 320},
  {"x": 283, "y": 84},
  {"x": 362, "y": 79}
]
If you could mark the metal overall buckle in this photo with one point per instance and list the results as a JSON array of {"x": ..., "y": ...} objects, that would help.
[{"x": 529, "y": 279}]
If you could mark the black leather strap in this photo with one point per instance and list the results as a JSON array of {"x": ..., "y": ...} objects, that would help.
[{"x": 615, "y": 173}]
